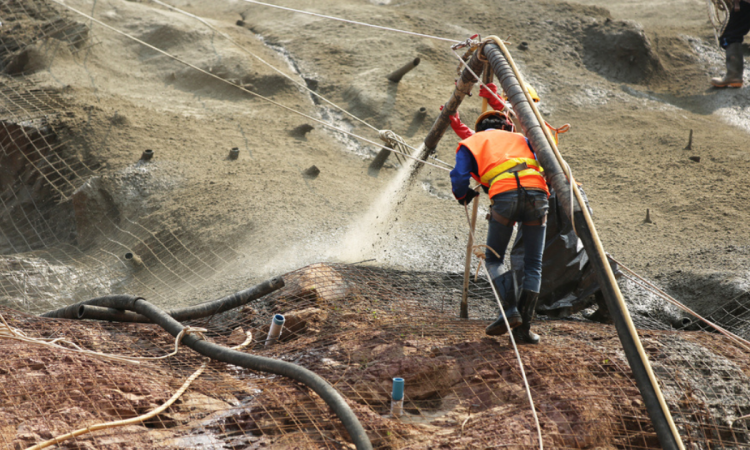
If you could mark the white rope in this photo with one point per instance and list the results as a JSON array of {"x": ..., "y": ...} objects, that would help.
[
  {"x": 120, "y": 423},
  {"x": 510, "y": 334},
  {"x": 143, "y": 417},
  {"x": 8, "y": 332},
  {"x": 396, "y": 30},
  {"x": 266, "y": 99}
]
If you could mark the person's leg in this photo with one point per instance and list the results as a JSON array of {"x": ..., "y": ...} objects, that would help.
[
  {"x": 533, "y": 240},
  {"x": 498, "y": 237},
  {"x": 534, "y": 231},
  {"x": 731, "y": 41}
]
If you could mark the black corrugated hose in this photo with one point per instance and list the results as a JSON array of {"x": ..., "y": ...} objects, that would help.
[{"x": 331, "y": 396}]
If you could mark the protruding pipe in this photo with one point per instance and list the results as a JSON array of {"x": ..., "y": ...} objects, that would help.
[
  {"x": 234, "y": 153},
  {"x": 681, "y": 323},
  {"x": 379, "y": 161},
  {"x": 422, "y": 111},
  {"x": 133, "y": 259},
  {"x": 276, "y": 325},
  {"x": 147, "y": 155},
  {"x": 397, "y": 397},
  {"x": 398, "y": 74}
]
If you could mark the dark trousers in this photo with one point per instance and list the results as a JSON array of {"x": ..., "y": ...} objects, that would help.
[
  {"x": 529, "y": 207},
  {"x": 738, "y": 26}
]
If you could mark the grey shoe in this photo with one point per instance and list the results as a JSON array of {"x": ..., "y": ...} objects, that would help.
[{"x": 735, "y": 67}]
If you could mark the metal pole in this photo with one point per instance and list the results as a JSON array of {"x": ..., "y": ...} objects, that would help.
[{"x": 546, "y": 152}]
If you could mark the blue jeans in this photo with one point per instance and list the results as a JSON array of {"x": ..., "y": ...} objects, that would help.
[{"x": 530, "y": 207}]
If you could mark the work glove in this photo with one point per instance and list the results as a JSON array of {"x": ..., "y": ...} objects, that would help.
[
  {"x": 496, "y": 103},
  {"x": 470, "y": 194},
  {"x": 458, "y": 127}
]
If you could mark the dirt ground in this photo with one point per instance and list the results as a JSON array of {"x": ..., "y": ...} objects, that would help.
[
  {"x": 344, "y": 322},
  {"x": 632, "y": 80}
]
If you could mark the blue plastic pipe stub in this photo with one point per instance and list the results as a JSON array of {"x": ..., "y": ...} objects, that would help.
[
  {"x": 278, "y": 319},
  {"x": 398, "y": 389}
]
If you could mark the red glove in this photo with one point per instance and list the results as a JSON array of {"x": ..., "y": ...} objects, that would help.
[
  {"x": 496, "y": 103},
  {"x": 458, "y": 127}
]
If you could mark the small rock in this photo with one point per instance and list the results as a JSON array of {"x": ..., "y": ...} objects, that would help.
[
  {"x": 301, "y": 131},
  {"x": 311, "y": 172},
  {"x": 240, "y": 23},
  {"x": 695, "y": 158}
]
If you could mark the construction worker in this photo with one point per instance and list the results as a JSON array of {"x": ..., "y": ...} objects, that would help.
[
  {"x": 504, "y": 163},
  {"x": 731, "y": 41}
]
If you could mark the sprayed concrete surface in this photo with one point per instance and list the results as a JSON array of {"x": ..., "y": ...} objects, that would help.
[{"x": 630, "y": 108}]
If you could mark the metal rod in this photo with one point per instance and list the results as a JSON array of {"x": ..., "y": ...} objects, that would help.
[
  {"x": 396, "y": 75},
  {"x": 541, "y": 141}
]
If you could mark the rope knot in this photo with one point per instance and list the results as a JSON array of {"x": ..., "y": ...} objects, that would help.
[
  {"x": 196, "y": 331},
  {"x": 391, "y": 138}
]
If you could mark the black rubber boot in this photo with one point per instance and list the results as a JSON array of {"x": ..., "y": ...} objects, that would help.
[
  {"x": 735, "y": 67},
  {"x": 601, "y": 315},
  {"x": 498, "y": 327},
  {"x": 506, "y": 286},
  {"x": 527, "y": 305}
]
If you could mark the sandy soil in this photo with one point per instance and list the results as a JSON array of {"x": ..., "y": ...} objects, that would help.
[{"x": 630, "y": 109}]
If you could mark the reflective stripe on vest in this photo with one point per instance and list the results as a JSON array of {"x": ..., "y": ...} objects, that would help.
[{"x": 496, "y": 152}]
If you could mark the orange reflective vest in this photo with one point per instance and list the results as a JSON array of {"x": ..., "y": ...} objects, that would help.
[{"x": 497, "y": 151}]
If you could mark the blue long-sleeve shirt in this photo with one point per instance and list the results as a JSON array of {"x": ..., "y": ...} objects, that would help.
[{"x": 466, "y": 164}]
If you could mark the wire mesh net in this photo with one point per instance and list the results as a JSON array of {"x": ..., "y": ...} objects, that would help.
[
  {"x": 65, "y": 238},
  {"x": 359, "y": 327}
]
